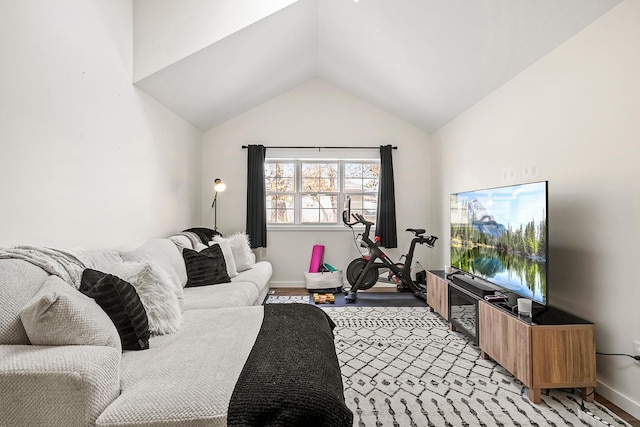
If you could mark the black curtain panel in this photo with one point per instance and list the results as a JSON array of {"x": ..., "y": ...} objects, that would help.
[
  {"x": 256, "y": 210},
  {"x": 386, "y": 220}
]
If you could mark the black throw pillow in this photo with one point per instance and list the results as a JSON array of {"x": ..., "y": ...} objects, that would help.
[
  {"x": 206, "y": 267},
  {"x": 122, "y": 304}
]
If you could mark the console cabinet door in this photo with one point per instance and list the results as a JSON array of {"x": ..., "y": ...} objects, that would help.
[
  {"x": 438, "y": 295},
  {"x": 506, "y": 340},
  {"x": 564, "y": 356}
]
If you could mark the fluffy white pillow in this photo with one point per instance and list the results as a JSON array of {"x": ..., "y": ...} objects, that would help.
[
  {"x": 242, "y": 254},
  {"x": 158, "y": 292},
  {"x": 61, "y": 315},
  {"x": 232, "y": 270}
]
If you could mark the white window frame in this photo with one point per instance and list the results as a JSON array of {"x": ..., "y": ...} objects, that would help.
[{"x": 297, "y": 161}]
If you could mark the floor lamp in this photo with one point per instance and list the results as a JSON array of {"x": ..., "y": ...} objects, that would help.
[{"x": 219, "y": 187}]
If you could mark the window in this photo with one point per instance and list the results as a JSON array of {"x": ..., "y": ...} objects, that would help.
[{"x": 305, "y": 192}]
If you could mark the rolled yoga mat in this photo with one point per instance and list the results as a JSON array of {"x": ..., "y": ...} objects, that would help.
[{"x": 316, "y": 258}]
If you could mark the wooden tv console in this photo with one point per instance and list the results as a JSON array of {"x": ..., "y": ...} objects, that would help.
[{"x": 552, "y": 349}]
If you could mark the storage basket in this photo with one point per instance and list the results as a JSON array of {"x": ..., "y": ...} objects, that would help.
[{"x": 326, "y": 281}]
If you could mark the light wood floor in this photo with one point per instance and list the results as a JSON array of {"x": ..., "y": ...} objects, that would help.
[{"x": 604, "y": 402}]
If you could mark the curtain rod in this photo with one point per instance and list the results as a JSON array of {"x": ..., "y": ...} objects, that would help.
[{"x": 326, "y": 148}]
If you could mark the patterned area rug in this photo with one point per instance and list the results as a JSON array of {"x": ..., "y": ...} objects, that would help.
[{"x": 402, "y": 366}]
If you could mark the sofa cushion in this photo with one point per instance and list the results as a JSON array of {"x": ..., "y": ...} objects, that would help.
[
  {"x": 161, "y": 251},
  {"x": 206, "y": 267},
  {"x": 122, "y": 304},
  {"x": 60, "y": 315},
  {"x": 186, "y": 378},
  {"x": 259, "y": 275},
  {"x": 100, "y": 259},
  {"x": 220, "y": 296},
  {"x": 242, "y": 254},
  {"x": 19, "y": 282}
]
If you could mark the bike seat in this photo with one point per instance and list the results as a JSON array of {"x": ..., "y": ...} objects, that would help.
[{"x": 416, "y": 231}]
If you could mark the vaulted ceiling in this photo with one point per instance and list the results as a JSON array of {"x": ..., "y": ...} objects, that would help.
[{"x": 425, "y": 61}]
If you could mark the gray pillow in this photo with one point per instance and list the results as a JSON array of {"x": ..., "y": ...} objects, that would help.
[{"x": 61, "y": 315}]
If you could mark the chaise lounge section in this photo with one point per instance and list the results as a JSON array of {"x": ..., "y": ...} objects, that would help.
[{"x": 228, "y": 362}]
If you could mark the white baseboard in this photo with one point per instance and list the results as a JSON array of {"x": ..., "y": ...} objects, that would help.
[{"x": 620, "y": 400}]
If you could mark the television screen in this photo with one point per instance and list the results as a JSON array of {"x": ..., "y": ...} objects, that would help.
[{"x": 500, "y": 235}]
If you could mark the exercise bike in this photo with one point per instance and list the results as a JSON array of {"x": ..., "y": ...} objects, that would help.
[{"x": 363, "y": 272}]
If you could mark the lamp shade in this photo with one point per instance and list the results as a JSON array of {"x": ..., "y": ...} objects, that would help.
[{"x": 218, "y": 185}]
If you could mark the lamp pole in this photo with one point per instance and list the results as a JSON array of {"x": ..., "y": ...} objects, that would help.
[{"x": 218, "y": 186}]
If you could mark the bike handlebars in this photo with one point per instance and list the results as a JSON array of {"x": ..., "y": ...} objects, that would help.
[
  {"x": 418, "y": 232},
  {"x": 358, "y": 219}
]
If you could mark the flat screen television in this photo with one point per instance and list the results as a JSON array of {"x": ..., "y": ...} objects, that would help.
[{"x": 501, "y": 235}]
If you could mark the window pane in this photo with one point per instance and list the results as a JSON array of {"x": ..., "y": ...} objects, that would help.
[
  {"x": 353, "y": 170},
  {"x": 288, "y": 170},
  {"x": 280, "y": 216},
  {"x": 319, "y": 208},
  {"x": 328, "y": 208},
  {"x": 310, "y": 184},
  {"x": 369, "y": 207},
  {"x": 279, "y": 177},
  {"x": 310, "y": 201},
  {"x": 270, "y": 169},
  {"x": 328, "y": 184},
  {"x": 353, "y": 184},
  {"x": 286, "y": 185},
  {"x": 371, "y": 171},
  {"x": 310, "y": 216},
  {"x": 370, "y": 185},
  {"x": 280, "y": 209},
  {"x": 310, "y": 170}
]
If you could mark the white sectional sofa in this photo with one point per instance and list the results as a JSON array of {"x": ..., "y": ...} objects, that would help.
[{"x": 200, "y": 375}]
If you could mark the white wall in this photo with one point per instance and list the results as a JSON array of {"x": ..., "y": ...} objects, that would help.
[
  {"x": 315, "y": 114},
  {"x": 87, "y": 159},
  {"x": 166, "y": 31},
  {"x": 574, "y": 116}
]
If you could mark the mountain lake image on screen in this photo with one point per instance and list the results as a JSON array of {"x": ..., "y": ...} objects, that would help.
[{"x": 500, "y": 235}]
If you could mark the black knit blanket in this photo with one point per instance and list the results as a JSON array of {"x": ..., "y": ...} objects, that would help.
[{"x": 292, "y": 376}]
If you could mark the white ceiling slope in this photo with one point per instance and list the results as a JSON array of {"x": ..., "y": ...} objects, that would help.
[{"x": 425, "y": 61}]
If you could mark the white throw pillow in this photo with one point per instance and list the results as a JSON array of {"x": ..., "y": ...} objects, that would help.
[
  {"x": 157, "y": 294},
  {"x": 181, "y": 242},
  {"x": 242, "y": 254},
  {"x": 232, "y": 270},
  {"x": 61, "y": 315},
  {"x": 160, "y": 293}
]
